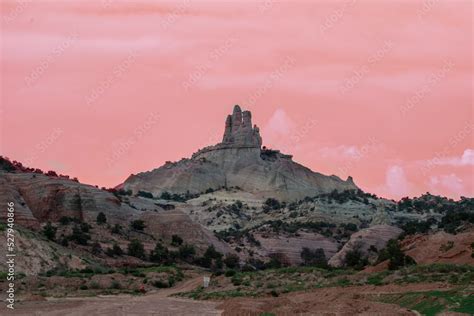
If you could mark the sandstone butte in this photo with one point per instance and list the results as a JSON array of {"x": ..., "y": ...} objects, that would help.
[{"x": 238, "y": 161}]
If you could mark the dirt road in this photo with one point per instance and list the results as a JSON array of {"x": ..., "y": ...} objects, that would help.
[
  {"x": 352, "y": 300},
  {"x": 158, "y": 303}
]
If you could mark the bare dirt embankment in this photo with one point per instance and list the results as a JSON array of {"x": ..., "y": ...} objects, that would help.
[{"x": 353, "y": 300}]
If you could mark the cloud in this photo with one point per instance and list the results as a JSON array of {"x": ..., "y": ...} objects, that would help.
[
  {"x": 466, "y": 159},
  {"x": 396, "y": 181},
  {"x": 341, "y": 152},
  {"x": 449, "y": 182},
  {"x": 279, "y": 124}
]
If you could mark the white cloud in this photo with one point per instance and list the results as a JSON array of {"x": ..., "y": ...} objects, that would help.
[
  {"x": 466, "y": 159},
  {"x": 340, "y": 152},
  {"x": 449, "y": 182},
  {"x": 279, "y": 124},
  {"x": 396, "y": 181}
]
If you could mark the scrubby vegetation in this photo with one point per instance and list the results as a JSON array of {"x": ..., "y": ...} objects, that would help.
[
  {"x": 432, "y": 302},
  {"x": 395, "y": 256},
  {"x": 178, "y": 197},
  {"x": 101, "y": 218},
  {"x": 136, "y": 249},
  {"x": 272, "y": 282},
  {"x": 314, "y": 257},
  {"x": 138, "y": 225}
]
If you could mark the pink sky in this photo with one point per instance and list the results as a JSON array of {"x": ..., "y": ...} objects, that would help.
[{"x": 379, "y": 90}]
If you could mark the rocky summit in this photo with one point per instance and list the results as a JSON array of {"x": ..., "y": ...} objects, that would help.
[{"x": 238, "y": 161}]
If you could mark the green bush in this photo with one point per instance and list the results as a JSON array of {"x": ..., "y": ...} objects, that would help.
[
  {"x": 145, "y": 194},
  {"x": 356, "y": 259},
  {"x": 395, "y": 255},
  {"x": 272, "y": 204},
  {"x": 136, "y": 249},
  {"x": 232, "y": 261},
  {"x": 138, "y": 225},
  {"x": 186, "y": 252},
  {"x": 101, "y": 218},
  {"x": 117, "y": 229},
  {"x": 176, "y": 240},
  {"x": 79, "y": 236},
  {"x": 49, "y": 231},
  {"x": 160, "y": 254},
  {"x": 160, "y": 284}
]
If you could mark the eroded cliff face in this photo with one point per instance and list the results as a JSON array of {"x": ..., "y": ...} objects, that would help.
[
  {"x": 238, "y": 161},
  {"x": 39, "y": 198}
]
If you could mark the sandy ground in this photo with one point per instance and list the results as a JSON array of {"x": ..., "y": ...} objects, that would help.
[
  {"x": 354, "y": 300},
  {"x": 152, "y": 304}
]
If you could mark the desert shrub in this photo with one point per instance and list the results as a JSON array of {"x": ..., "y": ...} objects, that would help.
[
  {"x": 160, "y": 284},
  {"x": 231, "y": 261},
  {"x": 145, "y": 194},
  {"x": 351, "y": 227},
  {"x": 209, "y": 190},
  {"x": 355, "y": 259},
  {"x": 211, "y": 259},
  {"x": 136, "y": 249},
  {"x": 160, "y": 254},
  {"x": 186, "y": 252},
  {"x": 6, "y": 165},
  {"x": 101, "y": 218},
  {"x": 314, "y": 257},
  {"x": 230, "y": 273},
  {"x": 64, "y": 242},
  {"x": 395, "y": 255},
  {"x": 176, "y": 240},
  {"x": 85, "y": 227},
  {"x": 96, "y": 248},
  {"x": 272, "y": 204},
  {"x": 138, "y": 225},
  {"x": 49, "y": 231},
  {"x": 255, "y": 264},
  {"x": 277, "y": 260},
  {"x": 66, "y": 220},
  {"x": 414, "y": 227},
  {"x": 165, "y": 195},
  {"x": 212, "y": 253},
  {"x": 445, "y": 247},
  {"x": 79, "y": 236},
  {"x": 116, "y": 229},
  {"x": 109, "y": 252},
  {"x": 453, "y": 220}
]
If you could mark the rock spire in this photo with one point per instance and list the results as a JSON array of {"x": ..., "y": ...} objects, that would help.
[{"x": 239, "y": 130}]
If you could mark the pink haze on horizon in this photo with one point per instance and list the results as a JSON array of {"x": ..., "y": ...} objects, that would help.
[{"x": 377, "y": 90}]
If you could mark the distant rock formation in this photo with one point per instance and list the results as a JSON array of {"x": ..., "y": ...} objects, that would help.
[
  {"x": 239, "y": 131},
  {"x": 238, "y": 161}
]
